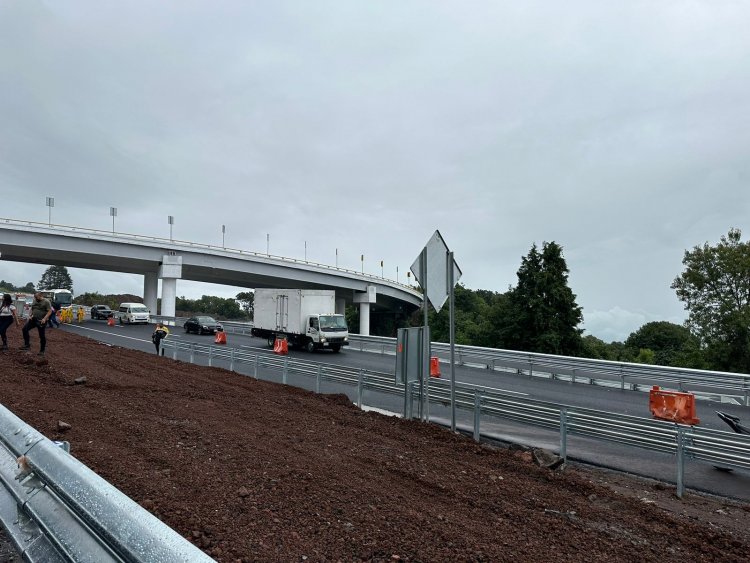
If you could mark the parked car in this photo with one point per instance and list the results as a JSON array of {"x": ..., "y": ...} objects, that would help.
[
  {"x": 202, "y": 325},
  {"x": 101, "y": 312}
]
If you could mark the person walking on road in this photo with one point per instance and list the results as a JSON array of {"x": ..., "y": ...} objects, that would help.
[
  {"x": 160, "y": 333},
  {"x": 7, "y": 317},
  {"x": 41, "y": 309}
]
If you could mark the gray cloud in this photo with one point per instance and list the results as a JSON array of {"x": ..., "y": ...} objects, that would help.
[{"x": 618, "y": 132}]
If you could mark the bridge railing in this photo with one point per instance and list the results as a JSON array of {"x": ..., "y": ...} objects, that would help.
[
  {"x": 195, "y": 245},
  {"x": 704, "y": 384},
  {"x": 717, "y": 447},
  {"x": 63, "y": 511}
]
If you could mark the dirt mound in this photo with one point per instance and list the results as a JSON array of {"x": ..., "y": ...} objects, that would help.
[{"x": 253, "y": 471}]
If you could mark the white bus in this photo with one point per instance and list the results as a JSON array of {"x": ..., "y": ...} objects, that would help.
[{"x": 58, "y": 297}]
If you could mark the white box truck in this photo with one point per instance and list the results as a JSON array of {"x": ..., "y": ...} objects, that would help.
[{"x": 305, "y": 317}]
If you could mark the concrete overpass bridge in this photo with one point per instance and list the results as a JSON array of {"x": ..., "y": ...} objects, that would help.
[{"x": 170, "y": 260}]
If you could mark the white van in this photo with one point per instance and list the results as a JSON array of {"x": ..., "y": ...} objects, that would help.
[{"x": 133, "y": 313}]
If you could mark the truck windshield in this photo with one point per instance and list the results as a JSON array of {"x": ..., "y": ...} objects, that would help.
[{"x": 332, "y": 322}]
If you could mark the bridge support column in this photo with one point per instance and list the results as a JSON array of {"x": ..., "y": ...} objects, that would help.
[
  {"x": 364, "y": 300},
  {"x": 151, "y": 291},
  {"x": 340, "y": 306},
  {"x": 364, "y": 319},
  {"x": 169, "y": 272}
]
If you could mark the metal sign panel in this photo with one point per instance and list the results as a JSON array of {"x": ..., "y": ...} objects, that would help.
[
  {"x": 436, "y": 278},
  {"x": 409, "y": 354}
]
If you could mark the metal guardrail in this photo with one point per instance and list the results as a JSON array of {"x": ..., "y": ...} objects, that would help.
[
  {"x": 717, "y": 447},
  {"x": 704, "y": 384},
  {"x": 63, "y": 511},
  {"x": 634, "y": 377}
]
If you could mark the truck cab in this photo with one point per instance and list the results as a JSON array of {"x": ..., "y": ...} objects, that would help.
[{"x": 326, "y": 331}]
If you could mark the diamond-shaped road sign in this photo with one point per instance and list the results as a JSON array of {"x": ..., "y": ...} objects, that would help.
[{"x": 435, "y": 279}]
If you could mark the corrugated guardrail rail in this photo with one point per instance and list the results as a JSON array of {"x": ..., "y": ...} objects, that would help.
[
  {"x": 717, "y": 447},
  {"x": 704, "y": 384},
  {"x": 712, "y": 385},
  {"x": 63, "y": 511}
]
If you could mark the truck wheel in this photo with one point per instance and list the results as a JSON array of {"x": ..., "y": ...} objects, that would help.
[
  {"x": 310, "y": 346},
  {"x": 271, "y": 341},
  {"x": 336, "y": 348}
]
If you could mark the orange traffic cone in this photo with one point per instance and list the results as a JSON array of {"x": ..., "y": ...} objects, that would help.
[
  {"x": 221, "y": 337},
  {"x": 111, "y": 321}
]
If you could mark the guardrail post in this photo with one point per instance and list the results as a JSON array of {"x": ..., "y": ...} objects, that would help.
[
  {"x": 408, "y": 407},
  {"x": 564, "y": 433},
  {"x": 317, "y": 378},
  {"x": 477, "y": 413},
  {"x": 573, "y": 376},
  {"x": 360, "y": 387},
  {"x": 286, "y": 370},
  {"x": 622, "y": 381},
  {"x": 680, "y": 461},
  {"x": 192, "y": 353},
  {"x": 231, "y": 360},
  {"x": 174, "y": 352},
  {"x": 255, "y": 366},
  {"x": 747, "y": 393},
  {"x": 210, "y": 356}
]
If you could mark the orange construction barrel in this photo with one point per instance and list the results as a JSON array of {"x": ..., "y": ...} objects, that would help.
[
  {"x": 221, "y": 337},
  {"x": 672, "y": 405},
  {"x": 434, "y": 367}
]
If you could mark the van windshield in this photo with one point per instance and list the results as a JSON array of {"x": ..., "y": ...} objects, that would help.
[{"x": 138, "y": 310}]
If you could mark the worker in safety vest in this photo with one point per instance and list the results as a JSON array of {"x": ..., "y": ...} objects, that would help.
[{"x": 160, "y": 333}]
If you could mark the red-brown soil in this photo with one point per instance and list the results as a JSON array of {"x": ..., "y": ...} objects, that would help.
[{"x": 254, "y": 471}]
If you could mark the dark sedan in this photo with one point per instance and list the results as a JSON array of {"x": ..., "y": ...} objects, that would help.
[
  {"x": 202, "y": 325},
  {"x": 100, "y": 312}
]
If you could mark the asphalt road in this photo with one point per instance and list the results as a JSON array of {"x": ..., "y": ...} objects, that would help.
[{"x": 634, "y": 460}]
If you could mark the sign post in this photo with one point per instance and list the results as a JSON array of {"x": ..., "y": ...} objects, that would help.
[{"x": 437, "y": 272}]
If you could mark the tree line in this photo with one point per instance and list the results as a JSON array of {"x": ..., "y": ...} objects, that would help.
[{"x": 540, "y": 313}]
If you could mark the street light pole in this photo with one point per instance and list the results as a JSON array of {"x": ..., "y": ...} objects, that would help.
[
  {"x": 170, "y": 220},
  {"x": 50, "y": 204},
  {"x": 113, "y": 214},
  {"x": 305, "y": 251},
  {"x": 223, "y": 232},
  {"x": 268, "y": 244}
]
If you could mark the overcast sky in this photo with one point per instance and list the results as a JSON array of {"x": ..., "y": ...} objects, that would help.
[{"x": 620, "y": 133}]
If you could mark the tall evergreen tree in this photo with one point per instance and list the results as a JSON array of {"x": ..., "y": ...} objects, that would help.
[
  {"x": 56, "y": 277},
  {"x": 544, "y": 315}
]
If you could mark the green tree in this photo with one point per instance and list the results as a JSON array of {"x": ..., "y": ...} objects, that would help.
[
  {"x": 246, "y": 300},
  {"x": 542, "y": 313},
  {"x": 671, "y": 344},
  {"x": 715, "y": 288},
  {"x": 645, "y": 356},
  {"x": 56, "y": 277}
]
